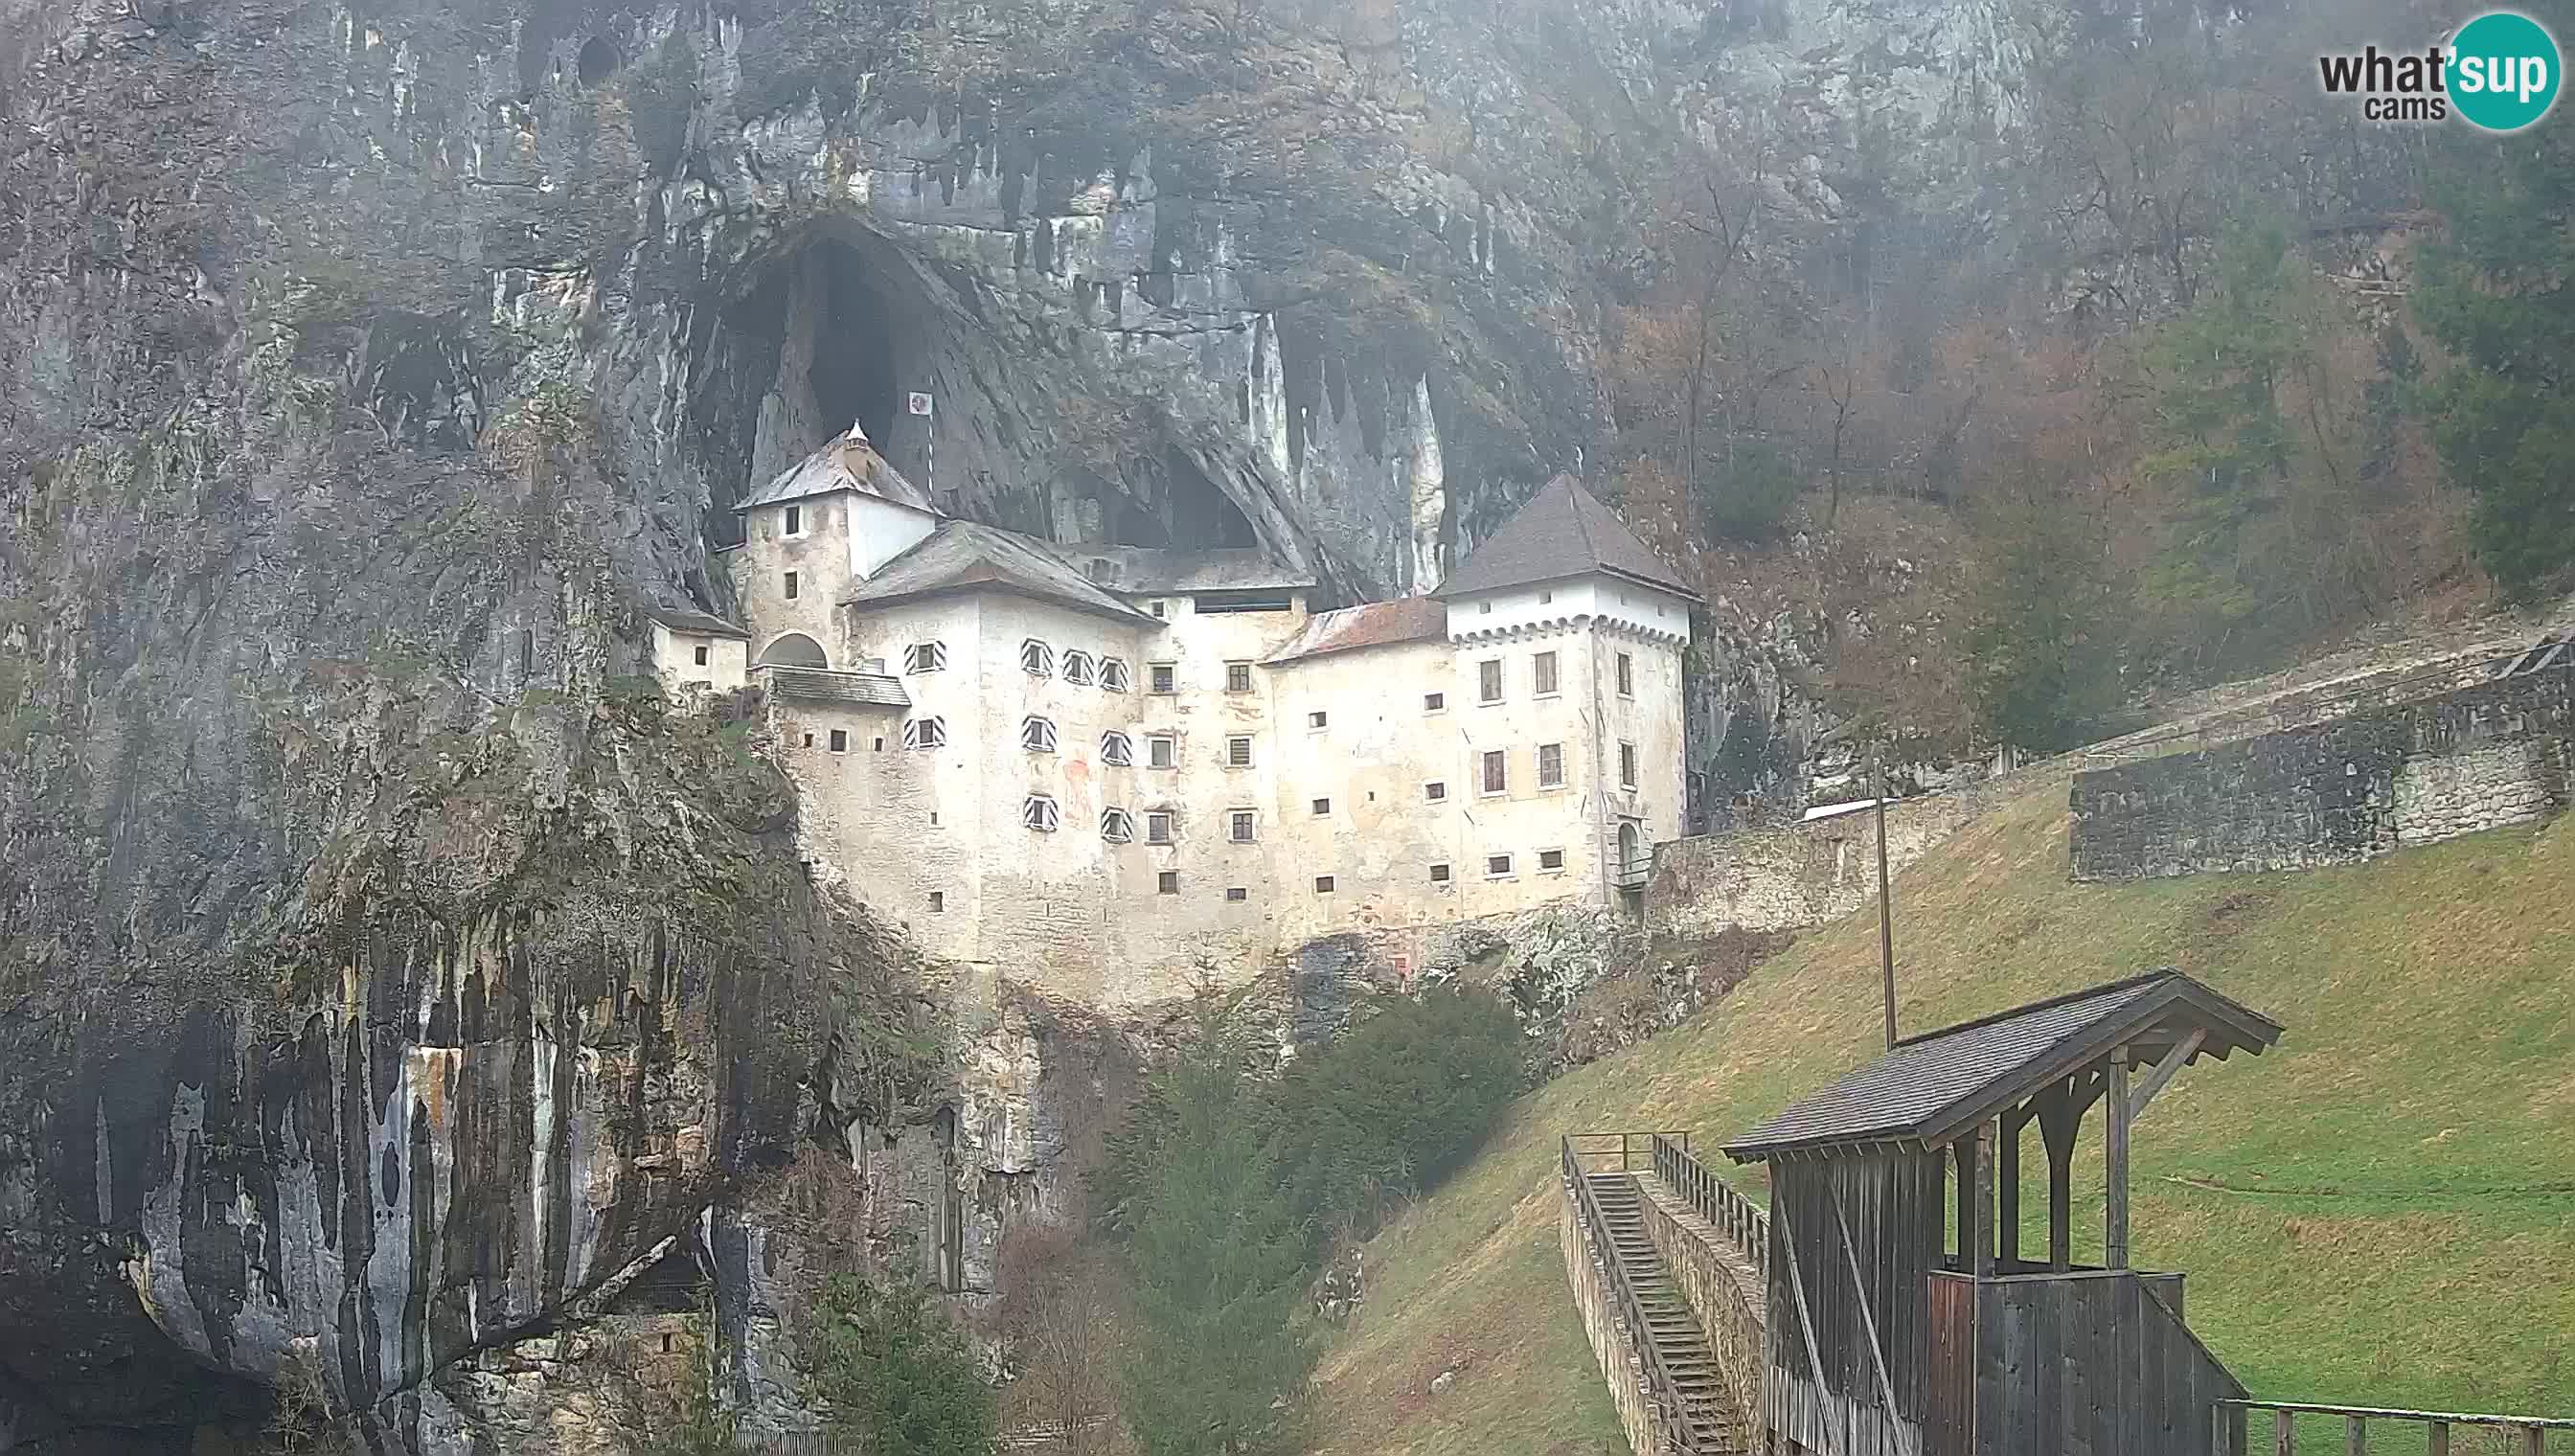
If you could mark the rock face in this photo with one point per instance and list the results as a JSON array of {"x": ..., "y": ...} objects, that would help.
[{"x": 383, "y": 979}]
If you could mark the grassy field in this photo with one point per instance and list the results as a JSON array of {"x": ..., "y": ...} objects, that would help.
[{"x": 2381, "y": 1210}]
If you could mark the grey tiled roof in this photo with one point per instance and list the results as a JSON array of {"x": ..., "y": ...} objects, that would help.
[
  {"x": 1562, "y": 532},
  {"x": 689, "y": 618},
  {"x": 1146, "y": 569},
  {"x": 1940, "y": 1083},
  {"x": 1376, "y": 624},
  {"x": 851, "y": 689},
  {"x": 847, "y": 464},
  {"x": 963, "y": 556}
]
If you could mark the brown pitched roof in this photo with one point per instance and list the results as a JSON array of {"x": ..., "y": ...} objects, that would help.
[
  {"x": 1934, "y": 1086},
  {"x": 1374, "y": 624},
  {"x": 962, "y": 556},
  {"x": 1562, "y": 532}
]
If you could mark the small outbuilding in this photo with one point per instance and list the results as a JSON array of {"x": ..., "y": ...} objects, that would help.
[{"x": 1888, "y": 1333}]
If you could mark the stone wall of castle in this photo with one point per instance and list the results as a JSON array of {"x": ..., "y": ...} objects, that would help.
[{"x": 2481, "y": 758}]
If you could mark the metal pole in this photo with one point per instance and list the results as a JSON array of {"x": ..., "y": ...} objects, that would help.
[{"x": 1885, "y": 912}]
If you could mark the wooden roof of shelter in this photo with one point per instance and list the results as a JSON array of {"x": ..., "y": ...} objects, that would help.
[{"x": 1931, "y": 1089}]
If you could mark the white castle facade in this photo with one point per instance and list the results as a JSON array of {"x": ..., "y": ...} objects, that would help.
[{"x": 1110, "y": 771}]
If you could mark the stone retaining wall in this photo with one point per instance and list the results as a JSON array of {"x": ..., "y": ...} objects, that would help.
[
  {"x": 1612, "y": 1344},
  {"x": 1721, "y": 1286},
  {"x": 2481, "y": 758}
]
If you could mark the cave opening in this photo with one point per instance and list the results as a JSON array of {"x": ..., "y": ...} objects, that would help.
[{"x": 852, "y": 373}]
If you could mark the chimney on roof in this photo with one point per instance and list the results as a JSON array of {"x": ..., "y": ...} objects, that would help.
[{"x": 855, "y": 450}]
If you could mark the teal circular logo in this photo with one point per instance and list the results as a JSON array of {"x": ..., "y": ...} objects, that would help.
[{"x": 2503, "y": 71}]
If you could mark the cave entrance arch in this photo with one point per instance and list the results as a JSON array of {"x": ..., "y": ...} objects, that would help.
[{"x": 794, "y": 650}]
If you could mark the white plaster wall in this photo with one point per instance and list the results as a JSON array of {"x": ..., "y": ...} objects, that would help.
[
  {"x": 819, "y": 557},
  {"x": 1651, "y": 719},
  {"x": 1370, "y": 760},
  {"x": 1524, "y": 819},
  {"x": 675, "y": 660},
  {"x": 879, "y": 531},
  {"x": 1601, "y": 598}
]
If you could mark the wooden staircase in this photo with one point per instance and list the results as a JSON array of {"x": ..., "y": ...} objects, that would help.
[{"x": 1675, "y": 1331}]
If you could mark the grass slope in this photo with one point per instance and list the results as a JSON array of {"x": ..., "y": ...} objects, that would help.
[{"x": 2364, "y": 1213}]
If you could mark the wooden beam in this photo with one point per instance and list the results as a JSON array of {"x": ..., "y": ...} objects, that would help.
[
  {"x": 2182, "y": 1051},
  {"x": 2060, "y": 1117},
  {"x": 1805, "y": 1323},
  {"x": 1986, "y": 1138},
  {"x": 2007, "y": 1189},
  {"x": 1896, "y": 1424},
  {"x": 2114, "y": 1167},
  {"x": 1966, "y": 1150}
]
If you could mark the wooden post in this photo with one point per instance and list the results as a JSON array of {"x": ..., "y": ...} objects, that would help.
[
  {"x": 2355, "y": 1436},
  {"x": 2058, "y": 1119},
  {"x": 2284, "y": 1433},
  {"x": 1987, "y": 1137},
  {"x": 1885, "y": 909},
  {"x": 1966, "y": 1152},
  {"x": 2439, "y": 1445},
  {"x": 2007, "y": 1187},
  {"x": 2114, "y": 1165},
  {"x": 2534, "y": 1441}
]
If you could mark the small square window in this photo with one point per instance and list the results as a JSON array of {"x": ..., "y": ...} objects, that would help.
[
  {"x": 1435, "y": 702},
  {"x": 1077, "y": 666},
  {"x": 1626, "y": 766},
  {"x": 1497, "y": 866},
  {"x": 937, "y": 902},
  {"x": 925, "y": 732},
  {"x": 879, "y": 746},
  {"x": 809, "y": 741},
  {"x": 796, "y": 521},
  {"x": 1313, "y": 719},
  {"x": 1498, "y": 775},
  {"x": 1116, "y": 826},
  {"x": 925, "y": 657},
  {"x": 1483, "y": 609},
  {"x": 1551, "y": 859},
  {"x": 1240, "y": 829},
  {"x": 697, "y": 655},
  {"x": 1037, "y": 659},
  {"x": 1434, "y": 790},
  {"x": 839, "y": 740},
  {"x": 1237, "y": 892},
  {"x": 1166, "y": 677},
  {"x": 1161, "y": 750},
  {"x": 1323, "y": 884},
  {"x": 1113, "y": 675},
  {"x": 933, "y": 818},
  {"x": 1542, "y": 673},
  {"x": 1038, "y": 812},
  {"x": 1169, "y": 883},
  {"x": 1544, "y": 598},
  {"x": 1037, "y": 735},
  {"x": 1550, "y": 765},
  {"x": 791, "y": 585},
  {"x": 1626, "y": 676},
  {"x": 1488, "y": 680},
  {"x": 1154, "y": 607},
  {"x": 1238, "y": 676},
  {"x": 1439, "y": 874},
  {"x": 1116, "y": 749},
  {"x": 1238, "y": 752},
  {"x": 1323, "y": 806},
  {"x": 1158, "y": 827}
]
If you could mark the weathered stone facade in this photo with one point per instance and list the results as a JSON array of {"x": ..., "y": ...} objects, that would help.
[
  {"x": 2477, "y": 758},
  {"x": 1612, "y": 1344}
]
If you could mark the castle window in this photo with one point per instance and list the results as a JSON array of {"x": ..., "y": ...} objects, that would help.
[
  {"x": 926, "y": 656},
  {"x": 1154, "y": 607},
  {"x": 1037, "y": 812},
  {"x": 1322, "y": 806},
  {"x": 1323, "y": 884},
  {"x": 1434, "y": 790},
  {"x": 1169, "y": 883},
  {"x": 1497, "y": 774},
  {"x": 1551, "y": 861},
  {"x": 1550, "y": 765},
  {"x": 1484, "y": 609},
  {"x": 1236, "y": 892},
  {"x": 1314, "y": 720},
  {"x": 1161, "y": 750},
  {"x": 791, "y": 585},
  {"x": 1158, "y": 827},
  {"x": 925, "y": 732},
  {"x": 1037, "y": 735},
  {"x": 1544, "y": 598},
  {"x": 809, "y": 741},
  {"x": 1164, "y": 677},
  {"x": 1115, "y": 826},
  {"x": 1238, "y": 676},
  {"x": 1077, "y": 666},
  {"x": 1112, "y": 674},
  {"x": 1488, "y": 680},
  {"x": 1238, "y": 752},
  {"x": 1497, "y": 866},
  {"x": 880, "y": 746},
  {"x": 1626, "y": 676},
  {"x": 1239, "y": 828},
  {"x": 697, "y": 655},
  {"x": 1626, "y": 766},
  {"x": 1116, "y": 749},
  {"x": 796, "y": 521},
  {"x": 1439, "y": 874},
  {"x": 1435, "y": 702},
  {"x": 839, "y": 740},
  {"x": 1543, "y": 669},
  {"x": 1037, "y": 659},
  {"x": 937, "y": 902}
]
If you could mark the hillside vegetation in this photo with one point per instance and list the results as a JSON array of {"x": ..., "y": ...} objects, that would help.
[{"x": 2380, "y": 1210}]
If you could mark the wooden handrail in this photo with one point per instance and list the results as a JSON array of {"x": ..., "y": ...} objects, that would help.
[
  {"x": 2232, "y": 1425},
  {"x": 1595, "y": 1224},
  {"x": 1719, "y": 1202}
]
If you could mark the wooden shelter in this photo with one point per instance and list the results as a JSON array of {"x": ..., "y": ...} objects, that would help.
[{"x": 1887, "y": 1334}]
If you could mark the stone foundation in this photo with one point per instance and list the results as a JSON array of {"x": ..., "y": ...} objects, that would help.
[{"x": 1612, "y": 1344}]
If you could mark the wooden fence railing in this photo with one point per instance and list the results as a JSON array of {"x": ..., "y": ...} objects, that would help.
[
  {"x": 1622, "y": 1152},
  {"x": 1741, "y": 1220},
  {"x": 1660, "y": 1386},
  {"x": 2240, "y": 1434}
]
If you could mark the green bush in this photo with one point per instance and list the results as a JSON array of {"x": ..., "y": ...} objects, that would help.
[
  {"x": 1747, "y": 493},
  {"x": 900, "y": 1378}
]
